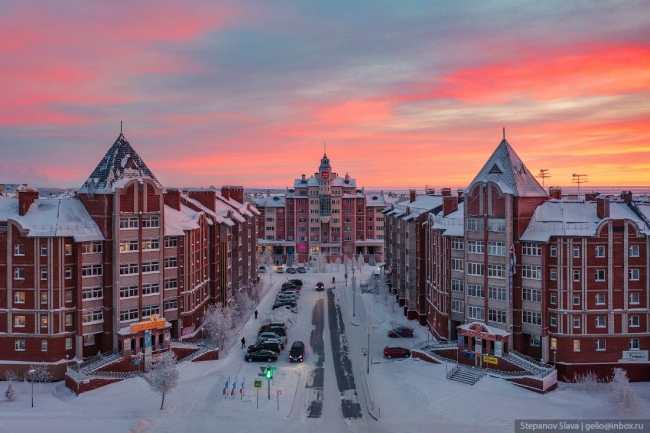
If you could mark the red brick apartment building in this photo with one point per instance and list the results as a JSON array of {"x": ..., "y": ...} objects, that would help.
[
  {"x": 75, "y": 272},
  {"x": 564, "y": 281}
]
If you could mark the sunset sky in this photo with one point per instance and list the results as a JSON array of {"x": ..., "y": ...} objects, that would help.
[{"x": 403, "y": 93}]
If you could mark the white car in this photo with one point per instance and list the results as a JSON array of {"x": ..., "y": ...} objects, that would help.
[
  {"x": 280, "y": 270},
  {"x": 261, "y": 270}
]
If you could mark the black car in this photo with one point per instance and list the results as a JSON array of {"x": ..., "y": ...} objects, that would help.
[
  {"x": 291, "y": 270},
  {"x": 276, "y": 330},
  {"x": 262, "y": 355},
  {"x": 288, "y": 285},
  {"x": 296, "y": 282},
  {"x": 320, "y": 287},
  {"x": 283, "y": 303},
  {"x": 283, "y": 325},
  {"x": 297, "y": 351},
  {"x": 402, "y": 331},
  {"x": 271, "y": 345},
  {"x": 301, "y": 270}
]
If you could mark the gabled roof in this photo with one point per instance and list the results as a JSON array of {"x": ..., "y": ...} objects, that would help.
[
  {"x": 177, "y": 222},
  {"x": 120, "y": 162},
  {"x": 506, "y": 169}
]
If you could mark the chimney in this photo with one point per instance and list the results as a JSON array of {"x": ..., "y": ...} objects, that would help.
[
  {"x": 626, "y": 196},
  {"x": 411, "y": 195},
  {"x": 303, "y": 177},
  {"x": 26, "y": 196},
  {"x": 430, "y": 191},
  {"x": 555, "y": 192},
  {"x": 449, "y": 204},
  {"x": 446, "y": 192},
  {"x": 591, "y": 196},
  {"x": 173, "y": 198},
  {"x": 602, "y": 207},
  {"x": 225, "y": 192},
  {"x": 237, "y": 193},
  {"x": 460, "y": 193},
  {"x": 206, "y": 197}
]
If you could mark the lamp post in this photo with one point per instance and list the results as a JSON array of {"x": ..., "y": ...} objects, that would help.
[
  {"x": 354, "y": 288},
  {"x": 67, "y": 366},
  {"x": 31, "y": 374}
]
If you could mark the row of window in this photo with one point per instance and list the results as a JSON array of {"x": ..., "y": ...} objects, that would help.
[
  {"x": 132, "y": 222},
  {"x": 601, "y": 298},
  {"x": 600, "y": 344},
  {"x": 132, "y": 268},
  {"x": 20, "y": 345},
  {"x": 599, "y": 275},
  {"x": 493, "y": 224},
  {"x": 601, "y": 321}
]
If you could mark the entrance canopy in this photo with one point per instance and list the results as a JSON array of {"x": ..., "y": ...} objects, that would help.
[{"x": 482, "y": 331}]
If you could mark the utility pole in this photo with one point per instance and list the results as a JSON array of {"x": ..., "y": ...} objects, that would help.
[{"x": 368, "y": 330}]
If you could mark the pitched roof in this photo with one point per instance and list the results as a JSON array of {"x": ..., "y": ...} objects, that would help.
[
  {"x": 120, "y": 162},
  {"x": 506, "y": 169}
]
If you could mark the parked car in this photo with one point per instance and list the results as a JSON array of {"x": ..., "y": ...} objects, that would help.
[
  {"x": 301, "y": 270},
  {"x": 402, "y": 331},
  {"x": 291, "y": 270},
  {"x": 289, "y": 285},
  {"x": 273, "y": 325},
  {"x": 296, "y": 282},
  {"x": 297, "y": 351},
  {"x": 280, "y": 270},
  {"x": 396, "y": 352},
  {"x": 320, "y": 287},
  {"x": 283, "y": 303},
  {"x": 261, "y": 270},
  {"x": 271, "y": 344},
  {"x": 292, "y": 309},
  {"x": 272, "y": 336},
  {"x": 261, "y": 355},
  {"x": 282, "y": 299},
  {"x": 277, "y": 330},
  {"x": 289, "y": 292}
]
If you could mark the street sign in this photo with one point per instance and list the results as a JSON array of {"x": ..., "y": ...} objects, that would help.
[
  {"x": 272, "y": 368},
  {"x": 263, "y": 369},
  {"x": 261, "y": 374},
  {"x": 258, "y": 384}
]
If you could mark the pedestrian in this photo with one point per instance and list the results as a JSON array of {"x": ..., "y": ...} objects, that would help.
[
  {"x": 255, "y": 314},
  {"x": 333, "y": 280},
  {"x": 243, "y": 342}
]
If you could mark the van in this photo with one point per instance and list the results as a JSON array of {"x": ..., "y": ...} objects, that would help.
[{"x": 297, "y": 351}]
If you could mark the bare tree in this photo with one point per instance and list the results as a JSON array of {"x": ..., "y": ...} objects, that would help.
[{"x": 164, "y": 375}]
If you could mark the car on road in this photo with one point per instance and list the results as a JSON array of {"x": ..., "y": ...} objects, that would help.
[
  {"x": 396, "y": 352},
  {"x": 291, "y": 270},
  {"x": 283, "y": 303},
  {"x": 280, "y": 270},
  {"x": 272, "y": 336},
  {"x": 271, "y": 344},
  {"x": 401, "y": 331},
  {"x": 320, "y": 287},
  {"x": 301, "y": 270},
  {"x": 296, "y": 282},
  {"x": 261, "y": 270},
  {"x": 261, "y": 355},
  {"x": 289, "y": 285},
  {"x": 297, "y": 351}
]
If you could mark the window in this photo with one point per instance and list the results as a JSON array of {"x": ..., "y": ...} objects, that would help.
[
  {"x": 129, "y": 292},
  {"x": 532, "y": 295},
  {"x": 129, "y": 223},
  {"x": 457, "y": 306},
  {"x": 475, "y": 290},
  {"x": 43, "y": 274},
  {"x": 19, "y": 345},
  {"x": 19, "y": 321},
  {"x": 553, "y": 320},
  {"x": 457, "y": 265},
  {"x": 531, "y": 272},
  {"x": 474, "y": 225},
  {"x": 457, "y": 285},
  {"x": 600, "y": 298},
  {"x": 43, "y": 321},
  {"x": 576, "y": 322},
  {"x": 496, "y": 225},
  {"x": 170, "y": 242},
  {"x": 171, "y": 283},
  {"x": 634, "y": 251},
  {"x": 68, "y": 320},
  {"x": 576, "y": 275},
  {"x": 44, "y": 298},
  {"x": 68, "y": 273},
  {"x": 601, "y": 321},
  {"x": 634, "y": 344},
  {"x": 535, "y": 340},
  {"x": 91, "y": 247},
  {"x": 19, "y": 274},
  {"x": 553, "y": 298},
  {"x": 477, "y": 313},
  {"x": 553, "y": 343},
  {"x": 531, "y": 249},
  {"x": 88, "y": 316},
  {"x": 634, "y": 321},
  {"x": 576, "y": 299},
  {"x": 68, "y": 343},
  {"x": 150, "y": 267},
  {"x": 576, "y": 345},
  {"x": 68, "y": 249},
  {"x": 457, "y": 244},
  {"x": 128, "y": 268},
  {"x": 43, "y": 250},
  {"x": 128, "y": 315},
  {"x": 68, "y": 296},
  {"x": 634, "y": 274},
  {"x": 126, "y": 246},
  {"x": 496, "y": 248},
  {"x": 170, "y": 262},
  {"x": 150, "y": 310},
  {"x": 150, "y": 289},
  {"x": 92, "y": 293},
  {"x": 475, "y": 268},
  {"x": 150, "y": 222},
  {"x": 634, "y": 298},
  {"x": 576, "y": 252},
  {"x": 600, "y": 344},
  {"x": 171, "y": 304},
  {"x": 600, "y": 251},
  {"x": 19, "y": 250},
  {"x": 531, "y": 317},
  {"x": 496, "y": 271},
  {"x": 19, "y": 297},
  {"x": 600, "y": 274},
  {"x": 497, "y": 316},
  {"x": 91, "y": 270},
  {"x": 553, "y": 251},
  {"x": 476, "y": 247},
  {"x": 89, "y": 340},
  {"x": 43, "y": 345},
  {"x": 553, "y": 276},
  {"x": 150, "y": 244}
]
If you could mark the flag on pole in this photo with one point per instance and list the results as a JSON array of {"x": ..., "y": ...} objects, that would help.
[
  {"x": 241, "y": 390},
  {"x": 234, "y": 385},
  {"x": 225, "y": 388}
]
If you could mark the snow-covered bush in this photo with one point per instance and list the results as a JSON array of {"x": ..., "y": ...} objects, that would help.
[
  {"x": 589, "y": 382},
  {"x": 11, "y": 392},
  {"x": 163, "y": 376},
  {"x": 622, "y": 394},
  {"x": 337, "y": 262},
  {"x": 11, "y": 376}
]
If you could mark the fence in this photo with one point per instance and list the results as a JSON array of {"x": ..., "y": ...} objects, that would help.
[{"x": 373, "y": 408}]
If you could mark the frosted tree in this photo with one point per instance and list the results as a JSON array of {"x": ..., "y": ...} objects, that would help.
[
  {"x": 41, "y": 375},
  {"x": 622, "y": 394},
  {"x": 244, "y": 303},
  {"x": 11, "y": 376},
  {"x": 163, "y": 376},
  {"x": 217, "y": 322},
  {"x": 321, "y": 263},
  {"x": 337, "y": 262},
  {"x": 360, "y": 261}
]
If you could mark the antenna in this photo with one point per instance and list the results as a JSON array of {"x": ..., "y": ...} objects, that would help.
[
  {"x": 324, "y": 148},
  {"x": 578, "y": 178},
  {"x": 543, "y": 173},
  {"x": 504, "y": 132}
]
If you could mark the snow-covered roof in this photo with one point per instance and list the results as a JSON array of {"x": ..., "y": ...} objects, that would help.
[
  {"x": 177, "y": 222},
  {"x": 346, "y": 183},
  {"x": 304, "y": 183},
  {"x": 379, "y": 200},
  {"x": 121, "y": 163},
  {"x": 484, "y": 328},
  {"x": 216, "y": 217},
  {"x": 507, "y": 170},
  {"x": 453, "y": 223},
  {"x": 409, "y": 210},
  {"x": 56, "y": 217}
]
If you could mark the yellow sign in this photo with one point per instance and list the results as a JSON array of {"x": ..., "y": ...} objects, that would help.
[
  {"x": 154, "y": 322},
  {"x": 490, "y": 359},
  {"x": 258, "y": 384}
]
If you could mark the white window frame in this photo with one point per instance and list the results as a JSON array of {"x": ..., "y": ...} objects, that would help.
[
  {"x": 634, "y": 321},
  {"x": 601, "y": 298},
  {"x": 496, "y": 248},
  {"x": 600, "y": 275},
  {"x": 601, "y": 321},
  {"x": 601, "y": 345},
  {"x": 600, "y": 251},
  {"x": 634, "y": 274}
]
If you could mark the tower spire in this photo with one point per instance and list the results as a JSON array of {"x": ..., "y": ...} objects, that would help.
[
  {"x": 504, "y": 132},
  {"x": 120, "y": 127}
]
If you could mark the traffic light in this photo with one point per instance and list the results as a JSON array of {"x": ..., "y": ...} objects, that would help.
[{"x": 269, "y": 374}]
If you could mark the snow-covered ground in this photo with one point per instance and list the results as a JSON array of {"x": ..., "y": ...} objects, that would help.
[{"x": 414, "y": 396}]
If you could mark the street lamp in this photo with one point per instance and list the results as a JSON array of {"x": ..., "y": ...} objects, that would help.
[
  {"x": 31, "y": 374},
  {"x": 67, "y": 366}
]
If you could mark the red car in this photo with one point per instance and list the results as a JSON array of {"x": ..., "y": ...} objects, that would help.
[{"x": 396, "y": 352}]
